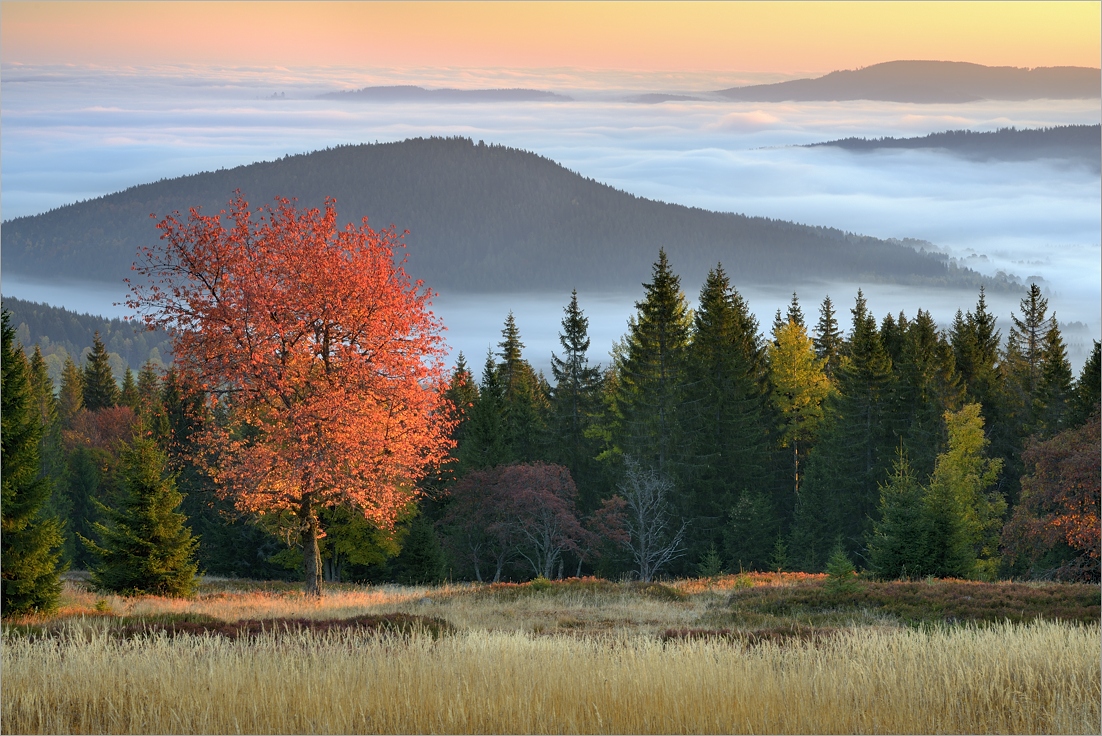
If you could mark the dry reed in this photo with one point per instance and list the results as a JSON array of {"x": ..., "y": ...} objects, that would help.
[{"x": 1036, "y": 678}]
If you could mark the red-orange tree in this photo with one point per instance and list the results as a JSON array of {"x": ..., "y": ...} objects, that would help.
[{"x": 313, "y": 345}]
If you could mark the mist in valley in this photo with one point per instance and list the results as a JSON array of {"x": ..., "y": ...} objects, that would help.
[{"x": 73, "y": 133}]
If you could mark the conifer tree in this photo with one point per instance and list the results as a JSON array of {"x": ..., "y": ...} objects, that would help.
[
  {"x": 828, "y": 338},
  {"x": 1025, "y": 351},
  {"x": 965, "y": 513},
  {"x": 29, "y": 540},
  {"x": 145, "y": 547},
  {"x": 725, "y": 415},
  {"x": 50, "y": 450},
  {"x": 575, "y": 402},
  {"x": 1055, "y": 387},
  {"x": 899, "y": 544},
  {"x": 100, "y": 389},
  {"x": 1087, "y": 396},
  {"x": 523, "y": 397},
  {"x": 129, "y": 394},
  {"x": 422, "y": 560},
  {"x": 70, "y": 399},
  {"x": 854, "y": 453},
  {"x": 800, "y": 387},
  {"x": 795, "y": 314},
  {"x": 651, "y": 374},
  {"x": 484, "y": 443}
]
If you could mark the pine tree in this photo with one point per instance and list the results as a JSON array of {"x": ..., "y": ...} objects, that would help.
[
  {"x": 828, "y": 338},
  {"x": 484, "y": 443},
  {"x": 795, "y": 314},
  {"x": 100, "y": 389},
  {"x": 651, "y": 375},
  {"x": 575, "y": 402},
  {"x": 70, "y": 399},
  {"x": 1025, "y": 352},
  {"x": 145, "y": 547},
  {"x": 724, "y": 415},
  {"x": 29, "y": 541}
]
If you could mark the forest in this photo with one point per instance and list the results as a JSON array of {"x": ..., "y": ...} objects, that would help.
[
  {"x": 1076, "y": 142},
  {"x": 481, "y": 218},
  {"x": 708, "y": 445}
]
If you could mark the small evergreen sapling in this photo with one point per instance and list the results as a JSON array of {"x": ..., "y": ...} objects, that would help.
[
  {"x": 842, "y": 577},
  {"x": 145, "y": 547}
]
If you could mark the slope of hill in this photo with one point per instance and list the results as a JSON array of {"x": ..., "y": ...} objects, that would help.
[
  {"x": 929, "y": 82},
  {"x": 410, "y": 93},
  {"x": 1081, "y": 143},
  {"x": 60, "y": 333},
  {"x": 481, "y": 218}
]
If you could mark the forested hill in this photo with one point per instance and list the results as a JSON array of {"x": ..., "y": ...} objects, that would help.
[
  {"x": 481, "y": 218},
  {"x": 60, "y": 333},
  {"x": 931, "y": 82},
  {"x": 1081, "y": 143}
]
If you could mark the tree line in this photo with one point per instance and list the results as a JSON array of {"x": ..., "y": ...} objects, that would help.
[{"x": 705, "y": 445}]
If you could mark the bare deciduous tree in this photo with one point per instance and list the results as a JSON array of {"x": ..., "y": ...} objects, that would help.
[{"x": 649, "y": 522}]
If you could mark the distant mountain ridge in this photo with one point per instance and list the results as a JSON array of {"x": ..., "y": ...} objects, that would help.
[
  {"x": 1082, "y": 143},
  {"x": 482, "y": 218},
  {"x": 930, "y": 82},
  {"x": 411, "y": 93}
]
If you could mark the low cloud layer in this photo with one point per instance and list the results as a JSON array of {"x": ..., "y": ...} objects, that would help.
[{"x": 75, "y": 133}]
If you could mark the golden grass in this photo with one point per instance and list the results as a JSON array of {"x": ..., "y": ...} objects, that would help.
[
  {"x": 585, "y": 656},
  {"x": 1036, "y": 678}
]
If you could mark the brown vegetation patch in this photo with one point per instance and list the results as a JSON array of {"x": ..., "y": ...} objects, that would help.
[
  {"x": 780, "y": 635},
  {"x": 932, "y": 600},
  {"x": 403, "y": 624}
]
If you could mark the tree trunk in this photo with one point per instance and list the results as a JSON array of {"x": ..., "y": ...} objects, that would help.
[{"x": 310, "y": 552}]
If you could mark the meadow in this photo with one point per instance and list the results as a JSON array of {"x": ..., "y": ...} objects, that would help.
[{"x": 780, "y": 653}]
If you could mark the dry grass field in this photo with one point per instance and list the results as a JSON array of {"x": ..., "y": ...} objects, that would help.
[{"x": 750, "y": 653}]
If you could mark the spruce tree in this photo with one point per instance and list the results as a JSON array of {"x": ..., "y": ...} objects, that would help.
[
  {"x": 1054, "y": 390},
  {"x": 523, "y": 397},
  {"x": 651, "y": 374},
  {"x": 100, "y": 389},
  {"x": 129, "y": 395},
  {"x": 1087, "y": 396},
  {"x": 145, "y": 547},
  {"x": 725, "y": 415},
  {"x": 422, "y": 560},
  {"x": 828, "y": 338},
  {"x": 1025, "y": 350},
  {"x": 795, "y": 314},
  {"x": 899, "y": 544},
  {"x": 70, "y": 399},
  {"x": 483, "y": 443},
  {"x": 575, "y": 403},
  {"x": 29, "y": 540}
]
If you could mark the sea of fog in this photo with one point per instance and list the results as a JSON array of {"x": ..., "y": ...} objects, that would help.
[{"x": 72, "y": 133}]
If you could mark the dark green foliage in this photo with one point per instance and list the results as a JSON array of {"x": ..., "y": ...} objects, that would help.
[
  {"x": 828, "y": 338},
  {"x": 70, "y": 399},
  {"x": 1054, "y": 391},
  {"x": 128, "y": 396},
  {"x": 421, "y": 561},
  {"x": 483, "y": 442},
  {"x": 899, "y": 546},
  {"x": 576, "y": 405},
  {"x": 481, "y": 218},
  {"x": 841, "y": 575},
  {"x": 100, "y": 389},
  {"x": 145, "y": 547},
  {"x": 1086, "y": 399},
  {"x": 752, "y": 532},
  {"x": 651, "y": 375},
  {"x": 523, "y": 397},
  {"x": 725, "y": 412},
  {"x": 29, "y": 540}
]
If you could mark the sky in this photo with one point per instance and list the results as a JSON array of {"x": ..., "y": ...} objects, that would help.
[
  {"x": 97, "y": 97},
  {"x": 780, "y": 38}
]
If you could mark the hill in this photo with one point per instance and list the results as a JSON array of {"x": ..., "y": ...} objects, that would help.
[
  {"x": 60, "y": 333},
  {"x": 410, "y": 93},
  {"x": 1082, "y": 143},
  {"x": 931, "y": 82},
  {"x": 482, "y": 218}
]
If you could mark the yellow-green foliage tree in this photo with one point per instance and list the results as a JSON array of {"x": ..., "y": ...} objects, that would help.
[
  {"x": 965, "y": 513},
  {"x": 800, "y": 386}
]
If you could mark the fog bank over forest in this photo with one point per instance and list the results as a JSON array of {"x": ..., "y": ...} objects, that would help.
[{"x": 75, "y": 133}]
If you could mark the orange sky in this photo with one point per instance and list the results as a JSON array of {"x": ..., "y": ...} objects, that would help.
[{"x": 762, "y": 37}]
